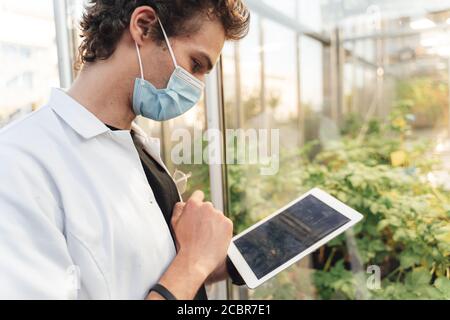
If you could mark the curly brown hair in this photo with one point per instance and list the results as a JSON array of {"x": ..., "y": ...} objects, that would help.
[{"x": 104, "y": 21}]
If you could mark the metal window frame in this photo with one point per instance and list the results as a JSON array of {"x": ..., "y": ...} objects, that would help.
[
  {"x": 279, "y": 17},
  {"x": 63, "y": 43},
  {"x": 217, "y": 172}
]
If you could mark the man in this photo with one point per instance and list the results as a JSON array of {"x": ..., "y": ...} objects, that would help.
[{"x": 88, "y": 209}]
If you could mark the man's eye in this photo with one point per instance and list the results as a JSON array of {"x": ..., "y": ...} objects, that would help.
[{"x": 196, "y": 66}]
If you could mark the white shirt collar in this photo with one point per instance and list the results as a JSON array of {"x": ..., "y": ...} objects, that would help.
[
  {"x": 75, "y": 115},
  {"x": 89, "y": 126}
]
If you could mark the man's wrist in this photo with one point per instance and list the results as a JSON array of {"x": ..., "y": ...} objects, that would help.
[
  {"x": 183, "y": 278},
  {"x": 192, "y": 266}
]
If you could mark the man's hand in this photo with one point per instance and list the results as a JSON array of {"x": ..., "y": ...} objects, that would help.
[
  {"x": 203, "y": 235},
  {"x": 221, "y": 272}
]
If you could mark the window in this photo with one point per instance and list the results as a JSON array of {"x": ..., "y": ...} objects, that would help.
[
  {"x": 273, "y": 79},
  {"x": 366, "y": 87},
  {"x": 28, "y": 57}
]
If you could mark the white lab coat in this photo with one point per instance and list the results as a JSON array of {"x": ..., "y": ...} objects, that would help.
[{"x": 78, "y": 218}]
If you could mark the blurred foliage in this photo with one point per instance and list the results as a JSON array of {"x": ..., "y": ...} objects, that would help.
[
  {"x": 429, "y": 99},
  {"x": 406, "y": 230},
  {"x": 383, "y": 175}
]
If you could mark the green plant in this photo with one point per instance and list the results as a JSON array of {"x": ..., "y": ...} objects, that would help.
[
  {"x": 429, "y": 99},
  {"x": 406, "y": 230}
]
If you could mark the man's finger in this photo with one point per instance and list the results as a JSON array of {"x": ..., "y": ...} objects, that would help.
[
  {"x": 177, "y": 211},
  {"x": 197, "y": 196}
]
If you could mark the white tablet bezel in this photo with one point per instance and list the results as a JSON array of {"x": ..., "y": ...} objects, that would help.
[{"x": 244, "y": 269}]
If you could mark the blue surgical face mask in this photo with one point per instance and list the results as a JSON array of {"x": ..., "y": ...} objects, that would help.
[{"x": 182, "y": 93}]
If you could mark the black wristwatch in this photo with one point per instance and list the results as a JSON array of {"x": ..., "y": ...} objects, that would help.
[{"x": 163, "y": 292}]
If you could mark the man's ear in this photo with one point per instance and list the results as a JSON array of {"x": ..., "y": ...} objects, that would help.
[{"x": 142, "y": 21}]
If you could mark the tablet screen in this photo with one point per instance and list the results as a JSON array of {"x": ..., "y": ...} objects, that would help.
[{"x": 286, "y": 235}]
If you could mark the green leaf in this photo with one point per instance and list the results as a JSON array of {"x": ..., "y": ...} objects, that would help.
[
  {"x": 428, "y": 292},
  {"x": 418, "y": 277},
  {"x": 408, "y": 259},
  {"x": 443, "y": 285},
  {"x": 383, "y": 224}
]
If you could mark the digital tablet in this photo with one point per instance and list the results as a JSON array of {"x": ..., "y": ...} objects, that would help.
[{"x": 289, "y": 234}]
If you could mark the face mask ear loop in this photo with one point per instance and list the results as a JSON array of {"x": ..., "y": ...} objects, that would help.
[
  {"x": 168, "y": 44},
  {"x": 140, "y": 60}
]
